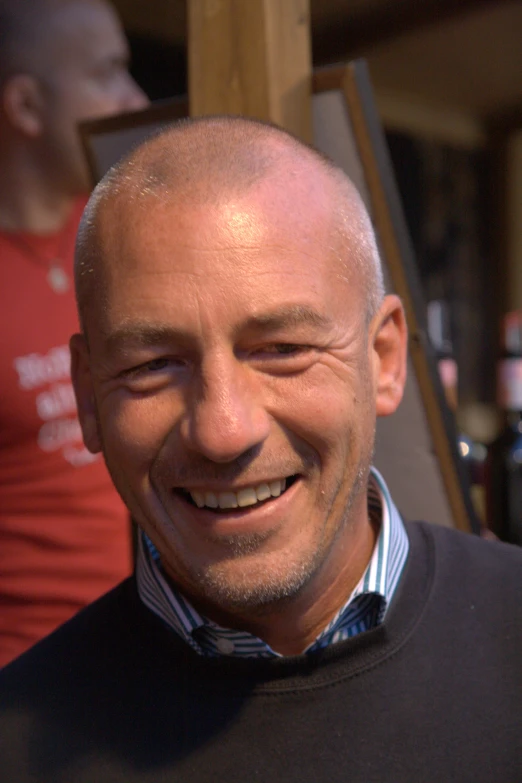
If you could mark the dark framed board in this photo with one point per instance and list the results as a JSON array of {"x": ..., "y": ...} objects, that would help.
[
  {"x": 416, "y": 448},
  {"x": 107, "y": 140}
]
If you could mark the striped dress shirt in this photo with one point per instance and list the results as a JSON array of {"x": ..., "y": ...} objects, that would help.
[{"x": 364, "y": 609}]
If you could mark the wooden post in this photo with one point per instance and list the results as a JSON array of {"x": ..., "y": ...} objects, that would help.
[{"x": 253, "y": 58}]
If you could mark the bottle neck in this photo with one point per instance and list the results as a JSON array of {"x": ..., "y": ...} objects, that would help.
[
  {"x": 449, "y": 373},
  {"x": 509, "y": 383}
]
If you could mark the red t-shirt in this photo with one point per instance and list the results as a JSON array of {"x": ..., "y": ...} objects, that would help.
[{"x": 64, "y": 532}]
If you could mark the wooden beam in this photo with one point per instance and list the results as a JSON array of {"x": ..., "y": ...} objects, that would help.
[{"x": 253, "y": 58}]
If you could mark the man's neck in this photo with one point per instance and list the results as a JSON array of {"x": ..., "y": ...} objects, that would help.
[{"x": 30, "y": 204}]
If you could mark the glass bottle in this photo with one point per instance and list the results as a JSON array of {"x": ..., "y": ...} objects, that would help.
[
  {"x": 472, "y": 454},
  {"x": 505, "y": 462}
]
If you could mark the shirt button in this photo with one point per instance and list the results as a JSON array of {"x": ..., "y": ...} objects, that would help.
[{"x": 225, "y": 646}]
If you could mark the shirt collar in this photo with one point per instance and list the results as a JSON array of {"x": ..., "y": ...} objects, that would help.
[{"x": 364, "y": 609}]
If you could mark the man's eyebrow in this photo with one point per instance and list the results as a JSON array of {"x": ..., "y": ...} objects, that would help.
[
  {"x": 289, "y": 315},
  {"x": 145, "y": 334},
  {"x": 142, "y": 335}
]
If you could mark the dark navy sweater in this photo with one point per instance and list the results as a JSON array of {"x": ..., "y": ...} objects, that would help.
[{"x": 434, "y": 694}]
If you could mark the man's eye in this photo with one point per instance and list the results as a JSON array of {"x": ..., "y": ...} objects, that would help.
[
  {"x": 154, "y": 375},
  {"x": 155, "y": 365},
  {"x": 282, "y": 358},
  {"x": 285, "y": 349},
  {"x": 152, "y": 367}
]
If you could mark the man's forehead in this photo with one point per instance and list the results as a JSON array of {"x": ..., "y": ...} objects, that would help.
[
  {"x": 82, "y": 26},
  {"x": 172, "y": 196},
  {"x": 250, "y": 217}
]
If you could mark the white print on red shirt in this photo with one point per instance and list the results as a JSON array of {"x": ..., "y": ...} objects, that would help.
[{"x": 56, "y": 405}]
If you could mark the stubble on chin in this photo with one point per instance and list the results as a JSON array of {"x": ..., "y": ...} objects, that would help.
[
  {"x": 248, "y": 579},
  {"x": 256, "y": 584}
]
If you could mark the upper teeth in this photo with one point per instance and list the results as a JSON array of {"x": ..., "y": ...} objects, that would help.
[{"x": 244, "y": 497}]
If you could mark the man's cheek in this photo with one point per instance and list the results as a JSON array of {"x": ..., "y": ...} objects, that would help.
[
  {"x": 316, "y": 414},
  {"x": 132, "y": 432}
]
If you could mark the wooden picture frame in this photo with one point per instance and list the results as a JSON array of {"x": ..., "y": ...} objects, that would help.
[{"x": 416, "y": 448}]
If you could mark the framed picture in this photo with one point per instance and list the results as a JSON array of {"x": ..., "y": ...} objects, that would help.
[
  {"x": 416, "y": 448},
  {"x": 107, "y": 140}
]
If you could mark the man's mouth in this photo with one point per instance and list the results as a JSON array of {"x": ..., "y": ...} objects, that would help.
[{"x": 241, "y": 498}]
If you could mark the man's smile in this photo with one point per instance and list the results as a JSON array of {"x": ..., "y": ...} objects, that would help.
[{"x": 242, "y": 497}]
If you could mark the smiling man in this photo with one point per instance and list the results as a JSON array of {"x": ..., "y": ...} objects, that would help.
[{"x": 284, "y": 623}]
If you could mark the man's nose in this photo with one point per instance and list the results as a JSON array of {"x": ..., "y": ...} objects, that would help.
[
  {"x": 225, "y": 417},
  {"x": 133, "y": 97}
]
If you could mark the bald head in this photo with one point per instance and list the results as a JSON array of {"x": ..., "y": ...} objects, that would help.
[
  {"x": 28, "y": 34},
  {"x": 209, "y": 160}
]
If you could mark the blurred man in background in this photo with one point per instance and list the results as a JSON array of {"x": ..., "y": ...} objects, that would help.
[{"x": 64, "y": 533}]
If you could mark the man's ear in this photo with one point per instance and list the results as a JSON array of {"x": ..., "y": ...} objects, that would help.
[
  {"x": 390, "y": 348},
  {"x": 23, "y": 104},
  {"x": 84, "y": 391}
]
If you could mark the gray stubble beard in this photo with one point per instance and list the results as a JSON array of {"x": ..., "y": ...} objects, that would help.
[{"x": 273, "y": 587}]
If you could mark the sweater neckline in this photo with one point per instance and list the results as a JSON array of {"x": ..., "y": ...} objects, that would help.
[
  {"x": 364, "y": 608},
  {"x": 324, "y": 667}
]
